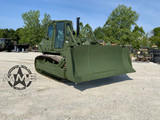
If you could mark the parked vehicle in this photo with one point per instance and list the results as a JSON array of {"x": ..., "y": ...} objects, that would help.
[
  {"x": 7, "y": 44},
  {"x": 71, "y": 57}
]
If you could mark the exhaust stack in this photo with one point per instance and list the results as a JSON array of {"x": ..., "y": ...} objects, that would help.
[{"x": 78, "y": 26}]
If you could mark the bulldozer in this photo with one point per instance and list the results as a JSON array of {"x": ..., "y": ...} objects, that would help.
[{"x": 70, "y": 57}]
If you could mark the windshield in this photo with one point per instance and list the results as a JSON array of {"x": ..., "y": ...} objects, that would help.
[{"x": 59, "y": 38}]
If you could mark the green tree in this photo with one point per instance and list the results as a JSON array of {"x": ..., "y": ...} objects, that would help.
[
  {"x": 81, "y": 29},
  {"x": 10, "y": 33},
  {"x": 3, "y": 33},
  {"x": 138, "y": 37},
  {"x": 86, "y": 31},
  {"x": 155, "y": 40},
  {"x": 32, "y": 33},
  {"x": 145, "y": 41},
  {"x": 19, "y": 34},
  {"x": 45, "y": 22},
  {"x": 156, "y": 36},
  {"x": 156, "y": 31},
  {"x": 99, "y": 33},
  {"x": 31, "y": 19},
  {"x": 7, "y": 33},
  {"x": 139, "y": 30},
  {"x": 119, "y": 24}
]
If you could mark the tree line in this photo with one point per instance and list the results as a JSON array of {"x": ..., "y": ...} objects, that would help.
[
  {"x": 33, "y": 31},
  {"x": 120, "y": 28}
]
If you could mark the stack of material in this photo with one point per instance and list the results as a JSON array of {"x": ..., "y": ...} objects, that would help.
[{"x": 156, "y": 56}]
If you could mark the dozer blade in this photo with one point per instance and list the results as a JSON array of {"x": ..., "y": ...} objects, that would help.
[{"x": 90, "y": 62}]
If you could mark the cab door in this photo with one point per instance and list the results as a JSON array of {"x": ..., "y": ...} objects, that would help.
[
  {"x": 47, "y": 43},
  {"x": 59, "y": 36}
]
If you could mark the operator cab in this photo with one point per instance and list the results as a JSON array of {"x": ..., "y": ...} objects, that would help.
[{"x": 57, "y": 35}]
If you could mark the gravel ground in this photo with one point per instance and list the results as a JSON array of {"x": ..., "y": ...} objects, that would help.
[{"x": 135, "y": 96}]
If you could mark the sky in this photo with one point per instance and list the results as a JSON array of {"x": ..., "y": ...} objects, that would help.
[{"x": 94, "y": 12}]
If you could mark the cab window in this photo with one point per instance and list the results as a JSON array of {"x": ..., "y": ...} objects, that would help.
[
  {"x": 59, "y": 35},
  {"x": 67, "y": 32},
  {"x": 50, "y": 31}
]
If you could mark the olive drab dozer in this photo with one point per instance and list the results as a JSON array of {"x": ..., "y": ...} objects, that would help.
[{"x": 78, "y": 59}]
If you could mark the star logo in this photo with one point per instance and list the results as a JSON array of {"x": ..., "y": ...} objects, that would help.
[{"x": 19, "y": 77}]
